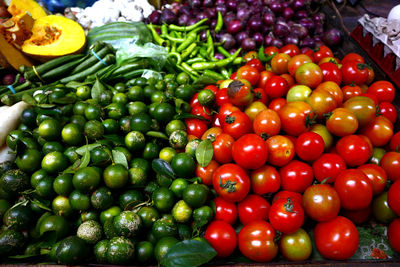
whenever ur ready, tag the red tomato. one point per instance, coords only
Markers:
(265, 180)
(379, 131)
(371, 75)
(383, 90)
(279, 63)
(394, 144)
(196, 127)
(376, 175)
(354, 189)
(212, 88)
(225, 210)
(296, 176)
(329, 165)
(358, 216)
(393, 197)
(206, 173)
(267, 123)
(264, 77)
(321, 52)
(231, 182)
(393, 234)
(295, 117)
(250, 151)
(354, 149)
(290, 49)
(372, 96)
(194, 101)
(354, 72)
(204, 112)
(321, 202)
(221, 97)
(222, 237)
(280, 150)
(223, 148)
(211, 133)
(286, 216)
(388, 110)
(239, 93)
(285, 194)
(237, 124)
(336, 239)
(260, 95)
(289, 79)
(256, 241)
(253, 208)
(225, 110)
(270, 50)
(277, 103)
(322, 102)
(296, 61)
(255, 63)
(352, 57)
(350, 91)
(363, 107)
(276, 87)
(331, 72)
(248, 73)
(296, 246)
(309, 74)
(332, 88)
(390, 162)
(342, 122)
(309, 146)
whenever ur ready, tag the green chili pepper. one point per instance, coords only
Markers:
(220, 23)
(174, 39)
(177, 56)
(194, 52)
(225, 73)
(262, 57)
(191, 37)
(223, 51)
(156, 37)
(193, 74)
(164, 30)
(204, 65)
(188, 50)
(188, 68)
(226, 61)
(187, 28)
(210, 44)
(194, 60)
(214, 75)
(237, 61)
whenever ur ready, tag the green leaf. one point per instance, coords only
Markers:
(117, 140)
(203, 80)
(74, 167)
(97, 88)
(119, 158)
(204, 152)
(17, 257)
(188, 253)
(85, 160)
(29, 99)
(81, 150)
(41, 204)
(156, 134)
(162, 167)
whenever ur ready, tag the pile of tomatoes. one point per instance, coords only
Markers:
(303, 142)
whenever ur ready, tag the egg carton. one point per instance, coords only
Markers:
(381, 54)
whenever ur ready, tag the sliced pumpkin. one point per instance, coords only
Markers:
(17, 7)
(17, 29)
(54, 36)
(12, 55)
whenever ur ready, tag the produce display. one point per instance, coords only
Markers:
(158, 145)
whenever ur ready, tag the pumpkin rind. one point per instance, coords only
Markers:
(17, 7)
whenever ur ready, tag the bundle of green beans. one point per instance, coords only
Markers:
(190, 54)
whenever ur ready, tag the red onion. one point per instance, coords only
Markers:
(255, 24)
(276, 7)
(269, 18)
(227, 40)
(281, 30)
(249, 44)
(222, 9)
(307, 42)
(154, 17)
(268, 40)
(8, 79)
(234, 26)
(232, 4)
(288, 13)
(220, 2)
(298, 4)
(291, 39)
(258, 38)
(332, 37)
(241, 36)
(277, 42)
(208, 3)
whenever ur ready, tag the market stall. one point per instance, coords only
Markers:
(198, 132)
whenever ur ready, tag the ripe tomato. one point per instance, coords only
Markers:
(363, 107)
(354, 149)
(270, 50)
(309, 146)
(309, 74)
(194, 100)
(279, 63)
(212, 88)
(371, 75)
(285, 194)
(255, 63)
(296, 61)
(352, 57)
(321, 52)
(286, 216)
(329, 165)
(321, 202)
(295, 117)
(196, 127)
(256, 241)
(390, 162)
(206, 173)
(393, 234)
(265, 180)
(342, 122)
(222, 237)
(204, 112)
(379, 131)
(225, 210)
(276, 87)
(394, 144)
(222, 147)
(336, 239)
(221, 97)
(231, 182)
(280, 150)
(250, 151)
(296, 246)
(350, 91)
(388, 110)
(331, 72)
(277, 103)
(383, 90)
(225, 110)
(239, 92)
(354, 72)
(324, 133)
(296, 176)
(253, 208)
(377, 175)
(267, 123)
(265, 75)
(290, 49)
(237, 124)
(248, 73)
(260, 95)
(333, 89)
(289, 79)
(354, 189)
(211, 133)
(322, 102)
(358, 216)
(393, 197)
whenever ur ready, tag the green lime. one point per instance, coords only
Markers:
(130, 199)
(86, 179)
(127, 223)
(195, 195)
(72, 134)
(50, 129)
(100, 251)
(178, 139)
(54, 223)
(54, 162)
(52, 146)
(105, 98)
(164, 112)
(79, 108)
(100, 156)
(102, 198)
(183, 165)
(14, 181)
(177, 186)
(90, 231)
(148, 216)
(151, 187)
(120, 98)
(13, 137)
(183, 78)
(71, 154)
(163, 227)
(109, 230)
(10, 242)
(28, 117)
(181, 212)
(120, 87)
(79, 201)
(115, 176)
(135, 141)
(137, 107)
(29, 160)
(94, 130)
(141, 122)
(109, 213)
(144, 252)
(163, 181)
(206, 98)
(148, 90)
(18, 217)
(185, 92)
(157, 97)
(120, 251)
(116, 111)
(78, 120)
(151, 151)
(203, 215)
(125, 151)
(37, 176)
(92, 112)
(4, 206)
(44, 187)
(135, 93)
(137, 176)
(163, 199)
(160, 85)
(140, 163)
(167, 153)
(111, 126)
(174, 125)
(83, 92)
(89, 215)
(125, 124)
(62, 206)
(162, 247)
(62, 184)
(72, 251)
(184, 231)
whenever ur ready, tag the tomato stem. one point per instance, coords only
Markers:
(229, 119)
(229, 185)
(288, 205)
